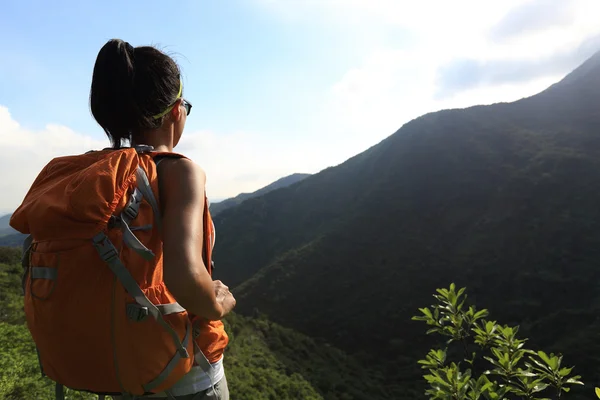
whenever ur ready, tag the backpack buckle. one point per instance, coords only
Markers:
(105, 248)
(136, 312)
(132, 208)
(143, 148)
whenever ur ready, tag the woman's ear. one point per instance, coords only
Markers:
(176, 113)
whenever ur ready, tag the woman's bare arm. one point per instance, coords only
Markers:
(182, 199)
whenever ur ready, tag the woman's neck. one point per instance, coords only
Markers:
(160, 139)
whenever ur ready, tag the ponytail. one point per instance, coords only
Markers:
(129, 86)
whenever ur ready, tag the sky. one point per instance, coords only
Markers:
(278, 86)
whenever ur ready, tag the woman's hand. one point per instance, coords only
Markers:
(224, 297)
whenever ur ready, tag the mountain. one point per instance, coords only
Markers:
(12, 240)
(503, 199)
(5, 228)
(219, 207)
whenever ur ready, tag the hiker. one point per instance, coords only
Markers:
(119, 297)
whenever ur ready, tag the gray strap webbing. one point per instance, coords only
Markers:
(26, 249)
(37, 352)
(199, 356)
(141, 228)
(172, 308)
(27, 243)
(43, 273)
(201, 359)
(171, 365)
(144, 187)
(159, 161)
(133, 242)
(109, 254)
(170, 395)
(59, 391)
(129, 213)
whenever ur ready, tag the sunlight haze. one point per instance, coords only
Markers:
(278, 86)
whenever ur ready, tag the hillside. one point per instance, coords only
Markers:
(216, 208)
(5, 228)
(502, 199)
(263, 360)
(12, 240)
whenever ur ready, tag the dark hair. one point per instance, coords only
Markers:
(130, 86)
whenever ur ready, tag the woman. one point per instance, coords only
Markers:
(136, 97)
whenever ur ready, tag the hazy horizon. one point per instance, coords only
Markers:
(278, 86)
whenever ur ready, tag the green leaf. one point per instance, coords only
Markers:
(540, 366)
(539, 387)
(565, 371)
(549, 361)
(527, 374)
(575, 381)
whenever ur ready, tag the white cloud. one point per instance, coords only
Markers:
(403, 47)
(237, 162)
(244, 161)
(416, 15)
(400, 77)
(25, 152)
(372, 101)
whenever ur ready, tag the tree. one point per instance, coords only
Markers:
(513, 371)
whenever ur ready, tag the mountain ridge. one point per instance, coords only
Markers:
(5, 228)
(484, 196)
(218, 207)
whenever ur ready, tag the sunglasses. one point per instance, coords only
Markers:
(187, 105)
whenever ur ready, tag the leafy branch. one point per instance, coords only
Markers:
(513, 369)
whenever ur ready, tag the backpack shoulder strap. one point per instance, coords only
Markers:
(158, 157)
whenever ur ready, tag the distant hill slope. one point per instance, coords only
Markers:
(217, 208)
(503, 199)
(5, 228)
(12, 240)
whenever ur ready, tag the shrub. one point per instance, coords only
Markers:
(503, 368)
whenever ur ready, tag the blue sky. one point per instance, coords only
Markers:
(278, 86)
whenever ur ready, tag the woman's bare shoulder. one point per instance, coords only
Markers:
(181, 180)
(180, 170)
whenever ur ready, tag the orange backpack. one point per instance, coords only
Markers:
(96, 305)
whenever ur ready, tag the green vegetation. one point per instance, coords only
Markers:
(19, 370)
(20, 376)
(267, 361)
(263, 361)
(523, 373)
